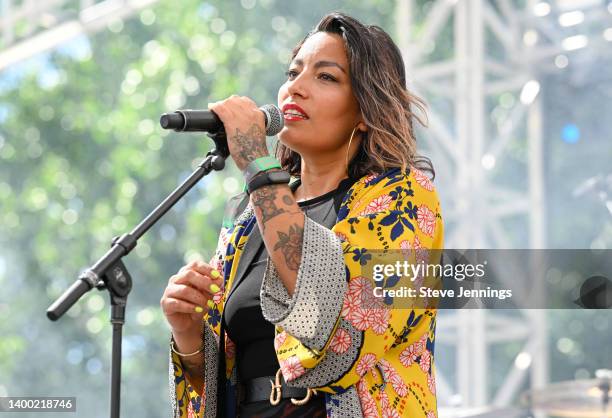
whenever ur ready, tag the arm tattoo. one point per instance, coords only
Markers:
(287, 200)
(264, 199)
(250, 144)
(290, 245)
(194, 366)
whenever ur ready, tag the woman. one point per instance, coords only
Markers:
(286, 331)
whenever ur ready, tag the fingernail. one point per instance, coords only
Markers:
(211, 304)
(214, 288)
(199, 309)
(215, 274)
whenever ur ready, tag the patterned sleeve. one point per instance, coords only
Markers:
(186, 400)
(326, 336)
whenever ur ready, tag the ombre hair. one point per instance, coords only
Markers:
(378, 80)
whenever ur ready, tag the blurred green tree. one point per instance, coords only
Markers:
(83, 159)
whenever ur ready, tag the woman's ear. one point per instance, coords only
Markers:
(362, 127)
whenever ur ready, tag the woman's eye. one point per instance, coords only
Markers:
(328, 77)
(291, 73)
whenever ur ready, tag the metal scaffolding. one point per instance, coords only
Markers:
(493, 47)
(30, 27)
(465, 150)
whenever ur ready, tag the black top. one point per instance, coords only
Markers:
(243, 319)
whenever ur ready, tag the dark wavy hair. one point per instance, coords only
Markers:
(378, 80)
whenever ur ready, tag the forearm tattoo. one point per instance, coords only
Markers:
(288, 200)
(290, 245)
(265, 200)
(194, 365)
(250, 144)
(286, 234)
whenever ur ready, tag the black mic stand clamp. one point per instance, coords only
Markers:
(220, 139)
(111, 274)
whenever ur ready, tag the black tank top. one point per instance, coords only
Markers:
(243, 319)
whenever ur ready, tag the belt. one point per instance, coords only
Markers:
(260, 388)
(272, 389)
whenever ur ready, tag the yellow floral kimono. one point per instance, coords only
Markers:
(369, 359)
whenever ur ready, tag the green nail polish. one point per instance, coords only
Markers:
(215, 274)
(199, 309)
(214, 288)
(211, 304)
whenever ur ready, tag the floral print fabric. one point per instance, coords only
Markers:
(389, 353)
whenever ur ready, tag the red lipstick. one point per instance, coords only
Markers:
(293, 112)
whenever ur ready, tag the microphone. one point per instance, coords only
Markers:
(187, 120)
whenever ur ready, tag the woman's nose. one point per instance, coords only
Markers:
(297, 86)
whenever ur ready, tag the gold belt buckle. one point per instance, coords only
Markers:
(276, 393)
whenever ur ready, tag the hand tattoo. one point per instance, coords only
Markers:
(290, 246)
(251, 145)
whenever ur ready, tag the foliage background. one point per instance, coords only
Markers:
(82, 159)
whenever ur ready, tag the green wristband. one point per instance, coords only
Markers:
(258, 165)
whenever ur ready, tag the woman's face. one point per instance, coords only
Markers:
(319, 83)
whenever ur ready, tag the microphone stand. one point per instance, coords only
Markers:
(110, 273)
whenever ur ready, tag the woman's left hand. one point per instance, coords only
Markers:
(244, 127)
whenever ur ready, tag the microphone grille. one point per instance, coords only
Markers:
(274, 119)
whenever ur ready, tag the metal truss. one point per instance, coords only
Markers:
(29, 27)
(460, 56)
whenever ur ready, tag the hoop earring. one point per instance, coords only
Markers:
(348, 149)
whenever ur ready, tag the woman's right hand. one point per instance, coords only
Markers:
(187, 295)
